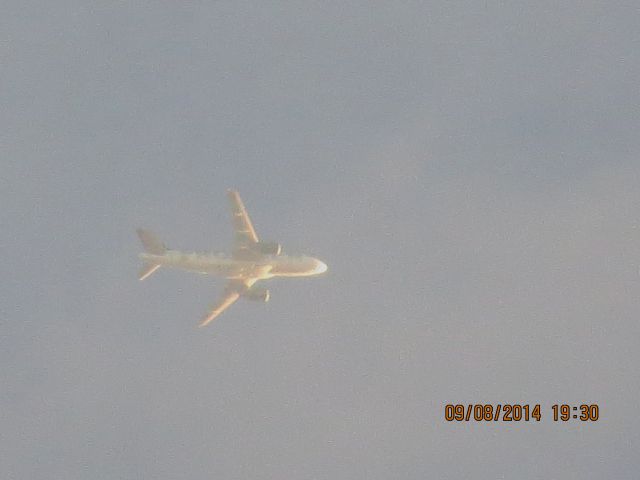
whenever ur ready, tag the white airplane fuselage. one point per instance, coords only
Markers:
(222, 265)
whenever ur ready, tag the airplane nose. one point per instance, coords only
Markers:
(321, 267)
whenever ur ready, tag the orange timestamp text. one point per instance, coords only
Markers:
(515, 412)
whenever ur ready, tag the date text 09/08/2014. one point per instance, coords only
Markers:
(515, 412)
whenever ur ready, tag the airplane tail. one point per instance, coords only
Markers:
(151, 245)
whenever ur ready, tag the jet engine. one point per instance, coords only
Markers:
(258, 295)
(269, 248)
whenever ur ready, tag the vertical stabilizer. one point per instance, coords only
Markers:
(150, 243)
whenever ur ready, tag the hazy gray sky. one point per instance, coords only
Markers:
(468, 170)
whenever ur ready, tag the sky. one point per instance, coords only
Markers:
(468, 170)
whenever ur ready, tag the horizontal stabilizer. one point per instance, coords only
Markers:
(146, 270)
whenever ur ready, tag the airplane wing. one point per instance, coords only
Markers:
(232, 292)
(227, 300)
(244, 233)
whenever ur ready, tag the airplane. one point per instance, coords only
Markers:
(251, 260)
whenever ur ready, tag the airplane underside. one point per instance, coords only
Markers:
(251, 260)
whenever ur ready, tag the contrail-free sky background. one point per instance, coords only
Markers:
(468, 170)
